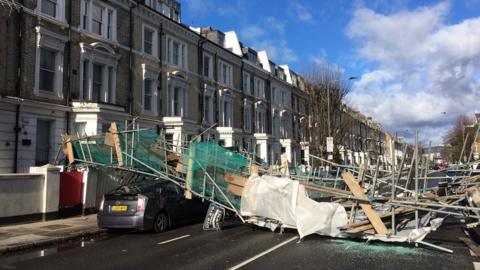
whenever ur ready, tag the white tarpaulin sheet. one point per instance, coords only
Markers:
(282, 199)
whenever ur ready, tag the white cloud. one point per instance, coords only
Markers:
(301, 13)
(252, 32)
(423, 67)
(269, 35)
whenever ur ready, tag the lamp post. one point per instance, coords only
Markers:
(328, 105)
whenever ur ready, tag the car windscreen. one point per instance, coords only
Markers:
(137, 187)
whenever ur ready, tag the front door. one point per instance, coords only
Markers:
(43, 143)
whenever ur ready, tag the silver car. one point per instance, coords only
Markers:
(148, 205)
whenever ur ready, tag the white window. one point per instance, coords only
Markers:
(177, 99)
(158, 6)
(52, 8)
(150, 41)
(207, 66)
(166, 11)
(99, 19)
(98, 73)
(148, 95)
(247, 117)
(98, 82)
(274, 94)
(47, 70)
(259, 88)
(225, 75)
(149, 89)
(150, 3)
(227, 115)
(260, 119)
(49, 63)
(246, 83)
(208, 105)
(226, 108)
(176, 53)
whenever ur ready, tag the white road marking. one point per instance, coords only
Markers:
(174, 239)
(476, 265)
(263, 253)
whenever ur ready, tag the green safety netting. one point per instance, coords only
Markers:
(141, 150)
(209, 161)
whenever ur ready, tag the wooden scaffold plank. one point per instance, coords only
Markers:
(371, 214)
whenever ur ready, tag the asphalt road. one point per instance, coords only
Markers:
(242, 247)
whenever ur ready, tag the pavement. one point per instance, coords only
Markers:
(37, 234)
(242, 246)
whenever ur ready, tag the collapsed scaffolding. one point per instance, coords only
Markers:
(399, 205)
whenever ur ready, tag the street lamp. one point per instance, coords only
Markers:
(328, 100)
(328, 110)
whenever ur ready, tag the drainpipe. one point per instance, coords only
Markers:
(160, 78)
(201, 82)
(242, 102)
(69, 67)
(130, 75)
(17, 128)
(215, 77)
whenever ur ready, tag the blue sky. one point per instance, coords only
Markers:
(414, 59)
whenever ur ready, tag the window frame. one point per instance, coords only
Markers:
(226, 108)
(175, 82)
(210, 65)
(209, 93)
(154, 40)
(183, 56)
(248, 89)
(104, 56)
(54, 54)
(150, 74)
(228, 75)
(52, 42)
(259, 87)
(247, 110)
(109, 23)
(59, 10)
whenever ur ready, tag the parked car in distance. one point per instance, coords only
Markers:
(151, 204)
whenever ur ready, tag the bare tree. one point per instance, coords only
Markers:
(329, 115)
(462, 133)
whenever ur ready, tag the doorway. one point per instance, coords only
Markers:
(43, 142)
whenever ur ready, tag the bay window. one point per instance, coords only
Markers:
(226, 108)
(260, 118)
(208, 105)
(247, 117)
(98, 73)
(149, 89)
(177, 99)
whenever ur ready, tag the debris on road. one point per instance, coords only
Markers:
(403, 203)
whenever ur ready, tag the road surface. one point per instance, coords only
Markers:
(241, 247)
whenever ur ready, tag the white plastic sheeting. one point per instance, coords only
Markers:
(286, 201)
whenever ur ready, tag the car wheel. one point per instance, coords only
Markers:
(161, 223)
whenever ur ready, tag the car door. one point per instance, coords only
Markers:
(174, 202)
